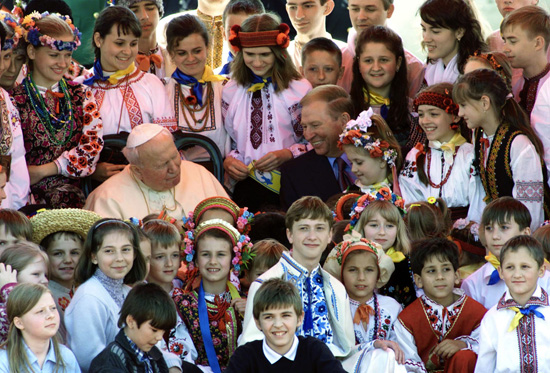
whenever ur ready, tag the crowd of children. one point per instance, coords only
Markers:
(423, 263)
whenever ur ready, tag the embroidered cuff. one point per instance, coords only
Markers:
(470, 342)
(235, 154)
(299, 149)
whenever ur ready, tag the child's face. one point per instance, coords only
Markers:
(496, 234)
(214, 260)
(35, 272)
(9, 76)
(64, 253)
(49, 63)
(378, 65)
(165, 262)
(255, 273)
(260, 60)
(473, 113)
(309, 238)
(7, 238)
(440, 42)
(41, 322)
(438, 279)
(436, 123)
(519, 47)
(279, 327)
(230, 21)
(148, 15)
(308, 16)
(366, 13)
(189, 55)
(145, 246)
(320, 68)
(321, 130)
(381, 231)
(118, 52)
(115, 257)
(360, 275)
(520, 272)
(367, 169)
(507, 6)
(145, 336)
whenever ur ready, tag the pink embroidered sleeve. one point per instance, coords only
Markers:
(81, 160)
(4, 324)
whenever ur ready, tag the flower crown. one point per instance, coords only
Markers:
(9, 20)
(35, 38)
(384, 194)
(243, 218)
(442, 101)
(354, 241)
(240, 40)
(357, 134)
(242, 247)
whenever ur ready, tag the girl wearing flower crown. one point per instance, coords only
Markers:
(194, 92)
(363, 267)
(380, 79)
(17, 188)
(126, 96)
(374, 153)
(206, 304)
(508, 154)
(62, 127)
(379, 219)
(261, 109)
(442, 166)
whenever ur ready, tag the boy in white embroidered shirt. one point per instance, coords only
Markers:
(509, 340)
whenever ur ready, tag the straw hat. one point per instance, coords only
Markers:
(62, 220)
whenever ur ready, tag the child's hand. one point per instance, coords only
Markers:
(384, 345)
(7, 275)
(448, 347)
(235, 168)
(273, 160)
(105, 170)
(239, 304)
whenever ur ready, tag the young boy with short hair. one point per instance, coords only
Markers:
(502, 219)
(439, 331)
(321, 62)
(278, 313)
(324, 299)
(146, 314)
(514, 333)
(14, 227)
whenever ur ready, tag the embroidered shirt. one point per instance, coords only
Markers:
(214, 25)
(115, 287)
(528, 94)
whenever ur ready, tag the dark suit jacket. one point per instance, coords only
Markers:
(308, 175)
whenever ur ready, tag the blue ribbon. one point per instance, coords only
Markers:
(226, 68)
(204, 324)
(308, 318)
(494, 278)
(182, 78)
(98, 74)
(258, 79)
(531, 310)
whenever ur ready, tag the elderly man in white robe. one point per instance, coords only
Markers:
(155, 181)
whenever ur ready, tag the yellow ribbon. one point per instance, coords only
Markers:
(209, 76)
(396, 256)
(375, 99)
(233, 291)
(448, 148)
(491, 258)
(515, 321)
(258, 86)
(113, 79)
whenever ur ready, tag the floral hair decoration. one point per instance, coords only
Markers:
(242, 247)
(12, 23)
(338, 212)
(242, 217)
(35, 38)
(444, 102)
(240, 40)
(357, 134)
(384, 194)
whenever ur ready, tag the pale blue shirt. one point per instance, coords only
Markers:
(71, 365)
(335, 170)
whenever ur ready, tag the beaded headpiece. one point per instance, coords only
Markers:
(279, 37)
(334, 263)
(242, 246)
(384, 194)
(444, 102)
(35, 38)
(14, 27)
(357, 134)
(129, 3)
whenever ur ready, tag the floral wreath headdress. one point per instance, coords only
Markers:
(442, 101)
(34, 37)
(242, 247)
(239, 39)
(357, 134)
(384, 194)
(13, 24)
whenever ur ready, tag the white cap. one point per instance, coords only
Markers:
(142, 133)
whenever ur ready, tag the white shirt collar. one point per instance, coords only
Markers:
(273, 356)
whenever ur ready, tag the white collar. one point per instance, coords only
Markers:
(536, 294)
(273, 356)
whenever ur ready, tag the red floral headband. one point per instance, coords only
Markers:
(239, 39)
(438, 100)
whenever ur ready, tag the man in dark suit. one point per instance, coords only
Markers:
(325, 170)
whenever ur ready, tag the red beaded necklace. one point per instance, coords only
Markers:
(429, 156)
